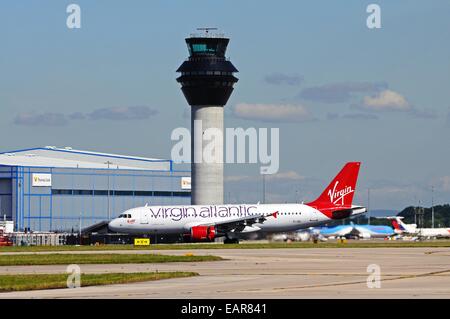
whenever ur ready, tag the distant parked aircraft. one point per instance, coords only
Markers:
(355, 230)
(340, 231)
(412, 230)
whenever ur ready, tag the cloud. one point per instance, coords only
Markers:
(40, 119)
(386, 100)
(283, 187)
(77, 116)
(282, 176)
(283, 79)
(272, 112)
(122, 113)
(428, 114)
(391, 190)
(332, 116)
(393, 194)
(443, 183)
(360, 116)
(351, 116)
(340, 92)
(391, 101)
(236, 178)
(59, 119)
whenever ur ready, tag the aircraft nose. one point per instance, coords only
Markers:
(113, 225)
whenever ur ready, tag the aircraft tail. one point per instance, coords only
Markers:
(398, 224)
(341, 190)
(336, 200)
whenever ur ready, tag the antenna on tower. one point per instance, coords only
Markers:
(206, 29)
(207, 33)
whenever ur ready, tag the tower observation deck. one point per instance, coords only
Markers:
(207, 82)
(207, 76)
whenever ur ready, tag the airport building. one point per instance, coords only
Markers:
(61, 189)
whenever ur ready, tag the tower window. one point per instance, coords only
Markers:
(203, 48)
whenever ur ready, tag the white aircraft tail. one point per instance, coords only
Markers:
(400, 226)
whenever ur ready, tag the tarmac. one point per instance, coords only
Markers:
(272, 273)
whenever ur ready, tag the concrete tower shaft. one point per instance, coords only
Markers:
(207, 178)
(207, 83)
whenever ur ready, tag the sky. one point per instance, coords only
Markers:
(337, 90)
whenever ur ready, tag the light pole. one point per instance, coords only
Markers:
(432, 206)
(415, 210)
(264, 188)
(80, 228)
(368, 205)
(108, 206)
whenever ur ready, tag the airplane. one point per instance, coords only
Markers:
(373, 231)
(411, 229)
(207, 222)
(299, 235)
(341, 231)
(313, 233)
(335, 231)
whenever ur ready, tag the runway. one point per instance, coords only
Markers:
(272, 273)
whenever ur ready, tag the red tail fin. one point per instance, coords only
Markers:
(395, 224)
(341, 190)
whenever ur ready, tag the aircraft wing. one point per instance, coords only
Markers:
(239, 224)
(340, 212)
(356, 231)
(356, 210)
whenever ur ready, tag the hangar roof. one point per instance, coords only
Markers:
(67, 157)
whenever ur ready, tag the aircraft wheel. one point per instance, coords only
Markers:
(231, 241)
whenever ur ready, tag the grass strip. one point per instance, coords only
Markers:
(53, 281)
(65, 259)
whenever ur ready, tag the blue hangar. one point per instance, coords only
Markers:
(62, 189)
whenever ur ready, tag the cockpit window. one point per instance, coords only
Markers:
(124, 216)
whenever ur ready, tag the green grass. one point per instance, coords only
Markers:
(330, 244)
(53, 281)
(65, 259)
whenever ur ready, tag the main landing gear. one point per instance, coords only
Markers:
(231, 240)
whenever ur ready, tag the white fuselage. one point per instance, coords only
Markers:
(180, 219)
(431, 232)
(411, 229)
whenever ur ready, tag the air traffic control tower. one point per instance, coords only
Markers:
(207, 83)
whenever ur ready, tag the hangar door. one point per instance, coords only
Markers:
(6, 198)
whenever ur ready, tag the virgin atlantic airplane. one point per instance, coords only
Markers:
(206, 222)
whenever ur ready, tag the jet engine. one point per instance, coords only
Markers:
(364, 235)
(203, 232)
